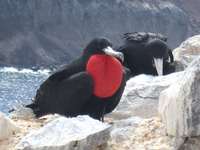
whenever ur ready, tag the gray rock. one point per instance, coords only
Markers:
(7, 127)
(176, 142)
(122, 129)
(181, 143)
(191, 144)
(81, 133)
(142, 99)
(179, 105)
(186, 52)
(182, 63)
(21, 112)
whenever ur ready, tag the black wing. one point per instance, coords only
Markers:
(143, 36)
(70, 68)
(66, 96)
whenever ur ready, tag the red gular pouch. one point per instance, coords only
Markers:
(106, 72)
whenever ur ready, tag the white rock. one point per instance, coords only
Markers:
(190, 46)
(179, 105)
(80, 133)
(138, 80)
(160, 148)
(7, 127)
(187, 51)
(21, 112)
(142, 99)
(122, 129)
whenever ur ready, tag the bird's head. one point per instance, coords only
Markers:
(159, 52)
(102, 46)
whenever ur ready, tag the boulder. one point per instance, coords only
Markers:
(78, 133)
(179, 105)
(186, 52)
(7, 127)
(141, 96)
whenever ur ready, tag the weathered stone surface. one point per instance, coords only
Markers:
(187, 52)
(7, 127)
(179, 105)
(122, 129)
(142, 99)
(21, 112)
(81, 133)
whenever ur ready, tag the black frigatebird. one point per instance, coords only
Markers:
(147, 53)
(92, 84)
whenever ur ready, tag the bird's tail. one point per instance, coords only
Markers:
(11, 110)
(37, 110)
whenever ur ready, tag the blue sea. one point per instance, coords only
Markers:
(19, 85)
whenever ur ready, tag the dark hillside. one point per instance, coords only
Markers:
(50, 33)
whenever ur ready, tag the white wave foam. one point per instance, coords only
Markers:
(8, 69)
(44, 71)
(24, 70)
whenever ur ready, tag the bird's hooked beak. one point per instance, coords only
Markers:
(109, 51)
(159, 65)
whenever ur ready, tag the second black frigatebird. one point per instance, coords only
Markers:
(147, 53)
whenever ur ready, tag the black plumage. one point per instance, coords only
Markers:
(69, 90)
(147, 53)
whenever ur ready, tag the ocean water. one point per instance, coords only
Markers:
(19, 85)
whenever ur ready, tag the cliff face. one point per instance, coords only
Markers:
(35, 33)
